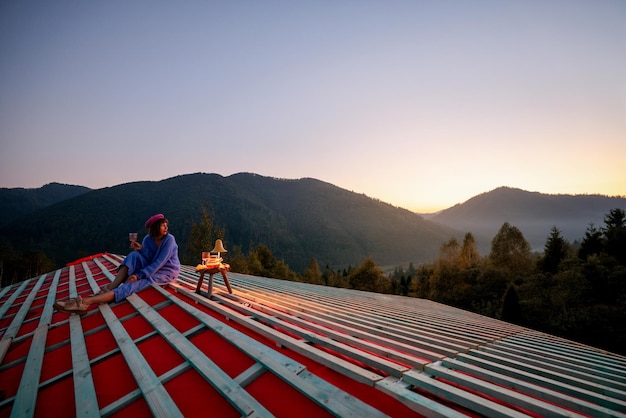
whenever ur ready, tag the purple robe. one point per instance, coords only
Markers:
(152, 265)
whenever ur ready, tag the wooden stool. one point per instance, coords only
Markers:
(221, 268)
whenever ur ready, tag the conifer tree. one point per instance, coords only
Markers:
(554, 252)
(615, 234)
(202, 237)
(591, 243)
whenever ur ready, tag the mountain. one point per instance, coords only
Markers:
(17, 202)
(297, 219)
(533, 213)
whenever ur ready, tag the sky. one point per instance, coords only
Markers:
(422, 104)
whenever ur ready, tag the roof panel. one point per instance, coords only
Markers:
(278, 348)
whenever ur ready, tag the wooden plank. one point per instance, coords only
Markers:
(136, 301)
(333, 344)
(5, 343)
(353, 327)
(16, 323)
(150, 385)
(362, 340)
(387, 347)
(560, 376)
(430, 346)
(95, 288)
(18, 319)
(323, 393)
(113, 258)
(329, 397)
(9, 302)
(229, 389)
(350, 322)
(540, 392)
(305, 304)
(341, 366)
(132, 396)
(518, 344)
(26, 396)
(460, 397)
(416, 402)
(600, 358)
(575, 363)
(72, 282)
(568, 347)
(46, 313)
(84, 389)
(240, 287)
(555, 366)
(347, 299)
(556, 385)
(498, 392)
(4, 291)
(250, 374)
(159, 401)
(105, 271)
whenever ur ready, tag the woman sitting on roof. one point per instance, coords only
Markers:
(154, 261)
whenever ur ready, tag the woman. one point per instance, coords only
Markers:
(154, 261)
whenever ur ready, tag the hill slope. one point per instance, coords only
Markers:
(533, 213)
(297, 219)
(17, 202)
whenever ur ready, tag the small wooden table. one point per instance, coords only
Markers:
(221, 268)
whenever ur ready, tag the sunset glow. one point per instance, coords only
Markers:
(420, 104)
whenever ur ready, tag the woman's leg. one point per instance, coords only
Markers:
(131, 265)
(122, 275)
(105, 297)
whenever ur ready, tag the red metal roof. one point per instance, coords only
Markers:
(279, 348)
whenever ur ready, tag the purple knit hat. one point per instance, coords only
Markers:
(153, 219)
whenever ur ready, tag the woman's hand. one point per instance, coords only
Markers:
(135, 245)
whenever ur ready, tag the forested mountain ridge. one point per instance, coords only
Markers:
(297, 219)
(532, 212)
(17, 202)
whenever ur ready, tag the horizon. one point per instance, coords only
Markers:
(373, 197)
(419, 104)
